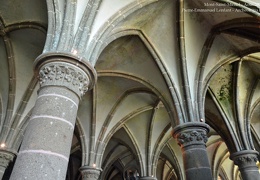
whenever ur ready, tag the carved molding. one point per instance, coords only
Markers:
(89, 173)
(64, 74)
(5, 158)
(65, 69)
(245, 158)
(191, 133)
(192, 137)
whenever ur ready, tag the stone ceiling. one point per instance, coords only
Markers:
(133, 45)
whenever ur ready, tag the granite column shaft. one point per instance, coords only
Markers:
(192, 138)
(246, 162)
(45, 150)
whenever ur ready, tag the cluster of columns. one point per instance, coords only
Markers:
(45, 150)
(192, 138)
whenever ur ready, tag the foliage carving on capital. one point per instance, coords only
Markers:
(5, 158)
(191, 137)
(90, 174)
(64, 74)
(245, 160)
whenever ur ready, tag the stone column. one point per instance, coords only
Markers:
(89, 173)
(45, 150)
(192, 138)
(246, 162)
(148, 178)
(5, 158)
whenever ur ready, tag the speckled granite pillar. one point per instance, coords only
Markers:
(246, 162)
(5, 158)
(89, 173)
(45, 150)
(192, 138)
(148, 178)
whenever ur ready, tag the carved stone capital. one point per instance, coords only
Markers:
(64, 74)
(5, 158)
(89, 173)
(245, 158)
(65, 70)
(191, 133)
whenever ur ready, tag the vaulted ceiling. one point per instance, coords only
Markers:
(142, 52)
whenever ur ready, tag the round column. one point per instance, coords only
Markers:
(246, 162)
(45, 150)
(89, 173)
(192, 138)
(5, 158)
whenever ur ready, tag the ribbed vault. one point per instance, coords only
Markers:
(158, 65)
